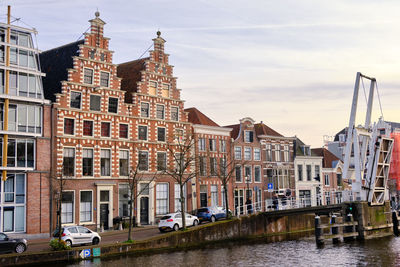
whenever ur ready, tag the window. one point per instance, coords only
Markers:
(202, 144)
(160, 134)
(286, 153)
(214, 195)
(327, 198)
(300, 172)
(277, 153)
(257, 174)
(69, 162)
(257, 154)
(144, 110)
(222, 145)
(142, 132)
(179, 162)
(238, 173)
(113, 105)
(317, 177)
(105, 160)
(88, 128)
(143, 160)
(222, 166)
(69, 126)
(213, 167)
(165, 89)
(91, 54)
(95, 101)
(160, 112)
(247, 173)
(175, 113)
(88, 76)
(29, 118)
(212, 145)
(105, 129)
(248, 136)
(327, 182)
(75, 100)
(238, 152)
(178, 197)
(152, 88)
(87, 166)
(123, 162)
(20, 153)
(247, 153)
(308, 167)
(104, 79)
(203, 166)
(123, 196)
(67, 207)
(162, 198)
(268, 153)
(86, 206)
(161, 161)
(123, 131)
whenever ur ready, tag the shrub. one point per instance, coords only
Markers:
(56, 244)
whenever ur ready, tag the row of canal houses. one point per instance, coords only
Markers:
(71, 113)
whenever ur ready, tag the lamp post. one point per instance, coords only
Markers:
(248, 190)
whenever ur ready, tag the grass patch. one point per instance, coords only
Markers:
(130, 241)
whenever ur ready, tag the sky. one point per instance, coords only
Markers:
(290, 63)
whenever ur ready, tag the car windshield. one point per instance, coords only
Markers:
(203, 210)
(165, 217)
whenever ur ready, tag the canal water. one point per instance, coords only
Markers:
(377, 252)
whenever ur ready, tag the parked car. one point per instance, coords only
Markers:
(211, 214)
(10, 245)
(78, 235)
(173, 221)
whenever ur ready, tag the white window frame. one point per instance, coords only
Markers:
(239, 148)
(83, 80)
(83, 124)
(249, 153)
(148, 160)
(167, 199)
(88, 148)
(202, 144)
(93, 110)
(147, 132)
(257, 167)
(74, 148)
(80, 102)
(327, 180)
(108, 107)
(74, 130)
(165, 134)
(286, 153)
(73, 208)
(247, 134)
(251, 173)
(109, 78)
(222, 144)
(119, 130)
(241, 174)
(163, 118)
(119, 160)
(109, 132)
(141, 112)
(110, 158)
(277, 152)
(177, 113)
(259, 154)
(91, 210)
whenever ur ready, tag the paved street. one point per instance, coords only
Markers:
(141, 233)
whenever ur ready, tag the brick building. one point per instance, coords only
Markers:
(107, 120)
(25, 136)
(262, 156)
(214, 160)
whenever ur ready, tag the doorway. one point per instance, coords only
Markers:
(144, 210)
(104, 215)
(203, 196)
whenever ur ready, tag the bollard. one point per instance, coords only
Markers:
(318, 232)
(334, 229)
(395, 221)
(349, 228)
(120, 226)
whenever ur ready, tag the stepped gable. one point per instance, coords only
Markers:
(262, 129)
(197, 117)
(55, 63)
(329, 158)
(131, 74)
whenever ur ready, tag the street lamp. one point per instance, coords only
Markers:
(247, 178)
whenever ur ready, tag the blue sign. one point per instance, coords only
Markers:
(270, 186)
(85, 253)
(96, 252)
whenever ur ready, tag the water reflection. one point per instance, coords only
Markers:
(378, 252)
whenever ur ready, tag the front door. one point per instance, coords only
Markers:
(104, 215)
(203, 199)
(144, 210)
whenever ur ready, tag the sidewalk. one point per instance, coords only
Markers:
(103, 234)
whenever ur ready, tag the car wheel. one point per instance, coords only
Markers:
(69, 243)
(212, 218)
(95, 241)
(161, 230)
(20, 248)
(176, 227)
(195, 223)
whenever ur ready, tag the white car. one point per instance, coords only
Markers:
(78, 235)
(173, 221)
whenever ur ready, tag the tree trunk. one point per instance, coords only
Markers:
(130, 213)
(228, 216)
(59, 210)
(182, 199)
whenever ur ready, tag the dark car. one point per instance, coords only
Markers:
(10, 245)
(211, 214)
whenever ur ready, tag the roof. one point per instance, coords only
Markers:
(197, 117)
(130, 72)
(343, 131)
(262, 129)
(235, 130)
(329, 159)
(55, 63)
(393, 125)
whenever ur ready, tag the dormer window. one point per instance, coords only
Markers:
(248, 136)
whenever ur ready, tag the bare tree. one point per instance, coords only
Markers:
(136, 176)
(181, 150)
(58, 196)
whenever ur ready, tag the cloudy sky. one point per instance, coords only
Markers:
(291, 64)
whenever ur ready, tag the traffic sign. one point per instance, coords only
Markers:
(96, 252)
(270, 187)
(85, 253)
